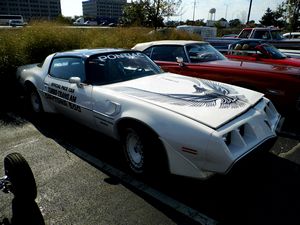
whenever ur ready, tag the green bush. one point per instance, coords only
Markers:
(33, 43)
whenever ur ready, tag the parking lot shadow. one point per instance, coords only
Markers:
(264, 189)
(26, 212)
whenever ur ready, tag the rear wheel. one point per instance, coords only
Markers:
(35, 101)
(20, 176)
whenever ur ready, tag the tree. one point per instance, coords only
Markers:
(268, 19)
(63, 20)
(199, 22)
(286, 15)
(272, 18)
(149, 13)
(289, 10)
(223, 19)
(251, 23)
(167, 8)
(235, 23)
(136, 13)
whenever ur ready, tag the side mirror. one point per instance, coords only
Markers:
(179, 60)
(75, 80)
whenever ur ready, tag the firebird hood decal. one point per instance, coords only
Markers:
(208, 102)
(202, 97)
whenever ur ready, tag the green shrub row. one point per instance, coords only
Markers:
(32, 44)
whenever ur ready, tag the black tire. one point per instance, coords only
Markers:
(34, 100)
(143, 151)
(21, 177)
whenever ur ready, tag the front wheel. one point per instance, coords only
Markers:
(143, 151)
(20, 176)
(134, 149)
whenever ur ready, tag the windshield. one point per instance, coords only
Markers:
(119, 66)
(203, 53)
(273, 52)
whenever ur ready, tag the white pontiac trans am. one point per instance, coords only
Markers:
(184, 125)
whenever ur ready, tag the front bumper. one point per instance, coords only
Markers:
(250, 159)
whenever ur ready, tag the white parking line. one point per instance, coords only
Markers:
(289, 134)
(24, 143)
(166, 200)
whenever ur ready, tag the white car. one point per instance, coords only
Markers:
(16, 23)
(188, 126)
(291, 35)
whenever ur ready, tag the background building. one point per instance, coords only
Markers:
(31, 9)
(110, 10)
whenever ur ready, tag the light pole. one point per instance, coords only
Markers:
(194, 11)
(249, 11)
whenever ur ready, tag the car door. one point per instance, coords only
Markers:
(165, 57)
(101, 72)
(73, 99)
(244, 57)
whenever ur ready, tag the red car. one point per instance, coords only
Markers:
(199, 59)
(258, 51)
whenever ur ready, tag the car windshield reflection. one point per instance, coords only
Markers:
(203, 53)
(274, 52)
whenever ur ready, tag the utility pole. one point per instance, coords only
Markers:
(156, 15)
(194, 10)
(249, 11)
(226, 11)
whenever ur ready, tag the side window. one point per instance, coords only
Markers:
(148, 52)
(96, 72)
(168, 53)
(105, 71)
(262, 34)
(245, 34)
(64, 68)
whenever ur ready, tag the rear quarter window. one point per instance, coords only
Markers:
(64, 68)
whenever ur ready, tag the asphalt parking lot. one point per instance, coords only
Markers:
(81, 179)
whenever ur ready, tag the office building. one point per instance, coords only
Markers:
(110, 9)
(31, 9)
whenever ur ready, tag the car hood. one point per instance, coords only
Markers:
(242, 65)
(208, 102)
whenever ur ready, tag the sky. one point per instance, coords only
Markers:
(228, 9)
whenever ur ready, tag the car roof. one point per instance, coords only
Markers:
(143, 46)
(264, 28)
(292, 32)
(85, 53)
